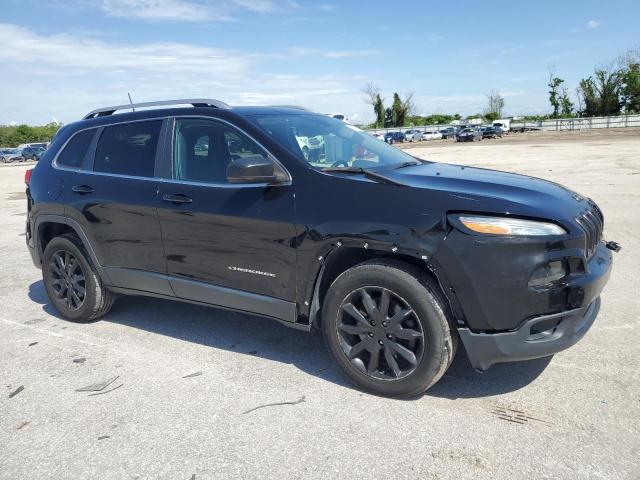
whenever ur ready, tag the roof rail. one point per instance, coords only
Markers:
(103, 112)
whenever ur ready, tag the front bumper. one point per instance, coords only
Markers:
(531, 340)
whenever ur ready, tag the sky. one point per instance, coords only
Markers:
(59, 59)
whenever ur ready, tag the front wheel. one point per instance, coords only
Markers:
(385, 325)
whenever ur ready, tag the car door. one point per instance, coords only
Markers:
(222, 239)
(114, 201)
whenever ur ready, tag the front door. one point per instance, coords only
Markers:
(221, 240)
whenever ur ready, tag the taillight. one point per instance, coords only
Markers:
(27, 176)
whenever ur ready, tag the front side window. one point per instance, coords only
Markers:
(326, 142)
(75, 150)
(128, 149)
(203, 149)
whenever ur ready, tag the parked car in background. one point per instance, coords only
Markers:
(311, 146)
(491, 132)
(504, 125)
(10, 155)
(32, 153)
(431, 136)
(379, 136)
(412, 135)
(394, 137)
(469, 135)
(449, 132)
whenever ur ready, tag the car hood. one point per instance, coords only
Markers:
(492, 191)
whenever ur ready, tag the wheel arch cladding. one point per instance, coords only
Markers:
(342, 258)
(48, 227)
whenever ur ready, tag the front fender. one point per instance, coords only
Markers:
(325, 253)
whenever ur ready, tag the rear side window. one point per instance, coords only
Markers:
(75, 150)
(128, 149)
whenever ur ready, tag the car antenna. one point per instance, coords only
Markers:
(131, 102)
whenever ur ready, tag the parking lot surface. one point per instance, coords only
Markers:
(189, 379)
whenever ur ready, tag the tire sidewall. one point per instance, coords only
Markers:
(88, 306)
(422, 301)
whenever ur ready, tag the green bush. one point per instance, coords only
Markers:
(12, 136)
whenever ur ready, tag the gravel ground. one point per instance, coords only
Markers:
(576, 416)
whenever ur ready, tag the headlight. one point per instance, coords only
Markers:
(510, 226)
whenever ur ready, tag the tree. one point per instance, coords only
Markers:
(566, 104)
(554, 93)
(378, 108)
(397, 111)
(495, 104)
(373, 98)
(630, 88)
(435, 119)
(491, 116)
(587, 92)
(601, 92)
(388, 117)
(12, 136)
(401, 110)
(629, 67)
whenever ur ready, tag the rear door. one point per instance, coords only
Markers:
(115, 199)
(217, 234)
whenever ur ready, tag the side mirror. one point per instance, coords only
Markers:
(254, 169)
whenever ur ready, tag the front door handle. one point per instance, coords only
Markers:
(177, 198)
(82, 189)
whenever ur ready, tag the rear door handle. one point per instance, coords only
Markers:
(82, 189)
(177, 198)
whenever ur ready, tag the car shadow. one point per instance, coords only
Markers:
(258, 336)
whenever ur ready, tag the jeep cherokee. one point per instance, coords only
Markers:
(395, 259)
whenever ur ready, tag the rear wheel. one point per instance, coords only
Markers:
(72, 282)
(385, 325)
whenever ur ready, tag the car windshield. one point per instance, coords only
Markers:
(325, 142)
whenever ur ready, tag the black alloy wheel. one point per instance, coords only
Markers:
(379, 333)
(68, 281)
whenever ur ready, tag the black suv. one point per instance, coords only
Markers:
(395, 259)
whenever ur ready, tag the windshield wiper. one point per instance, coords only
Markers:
(370, 174)
(407, 164)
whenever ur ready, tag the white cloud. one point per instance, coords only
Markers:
(261, 6)
(195, 10)
(78, 74)
(163, 10)
(593, 24)
(86, 55)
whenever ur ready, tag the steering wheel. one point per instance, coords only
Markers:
(340, 163)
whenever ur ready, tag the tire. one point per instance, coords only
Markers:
(352, 339)
(97, 300)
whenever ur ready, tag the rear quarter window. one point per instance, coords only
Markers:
(73, 153)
